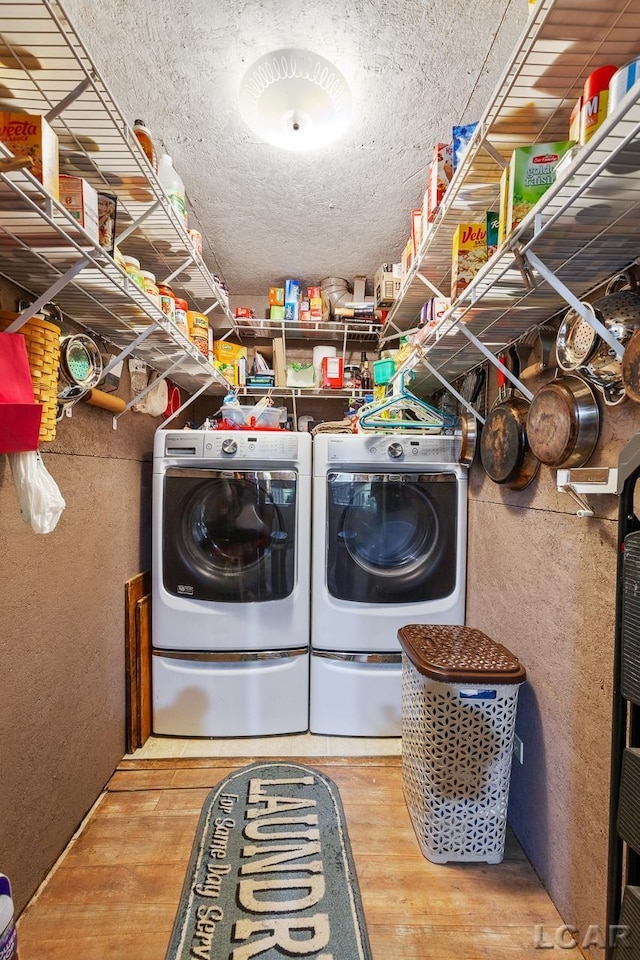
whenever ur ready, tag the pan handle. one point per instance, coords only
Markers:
(481, 376)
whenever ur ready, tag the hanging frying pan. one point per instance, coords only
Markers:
(563, 423)
(504, 449)
(467, 425)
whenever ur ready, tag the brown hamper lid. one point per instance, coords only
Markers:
(459, 654)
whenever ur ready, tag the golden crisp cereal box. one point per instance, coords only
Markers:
(533, 171)
(469, 254)
(31, 136)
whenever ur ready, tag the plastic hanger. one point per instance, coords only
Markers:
(428, 416)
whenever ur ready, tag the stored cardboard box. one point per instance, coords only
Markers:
(31, 136)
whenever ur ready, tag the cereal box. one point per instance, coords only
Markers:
(81, 200)
(504, 204)
(469, 254)
(493, 222)
(407, 257)
(532, 172)
(228, 352)
(276, 296)
(31, 136)
(439, 178)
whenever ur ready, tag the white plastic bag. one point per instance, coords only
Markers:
(41, 502)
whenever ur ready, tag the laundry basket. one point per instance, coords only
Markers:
(459, 699)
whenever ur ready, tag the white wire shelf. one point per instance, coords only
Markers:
(565, 40)
(45, 63)
(345, 330)
(41, 245)
(307, 393)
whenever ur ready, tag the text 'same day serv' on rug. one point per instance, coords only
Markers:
(271, 873)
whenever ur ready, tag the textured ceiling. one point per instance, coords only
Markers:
(414, 68)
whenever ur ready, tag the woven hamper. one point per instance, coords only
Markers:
(459, 699)
(42, 339)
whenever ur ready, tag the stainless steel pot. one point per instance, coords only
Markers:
(579, 349)
(563, 423)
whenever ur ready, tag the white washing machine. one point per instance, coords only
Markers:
(389, 549)
(230, 574)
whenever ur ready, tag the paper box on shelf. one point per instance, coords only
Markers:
(469, 254)
(386, 286)
(31, 136)
(416, 230)
(438, 179)
(19, 414)
(503, 206)
(407, 257)
(81, 200)
(291, 299)
(313, 293)
(276, 296)
(493, 227)
(228, 352)
(332, 372)
(228, 370)
(532, 171)
(315, 308)
(276, 312)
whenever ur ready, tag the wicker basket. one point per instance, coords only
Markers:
(43, 349)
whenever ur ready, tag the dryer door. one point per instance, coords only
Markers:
(391, 538)
(229, 536)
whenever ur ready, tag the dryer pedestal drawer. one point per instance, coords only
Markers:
(356, 697)
(235, 695)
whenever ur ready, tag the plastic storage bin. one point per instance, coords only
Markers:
(254, 416)
(383, 370)
(459, 699)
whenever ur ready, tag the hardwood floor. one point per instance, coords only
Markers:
(115, 893)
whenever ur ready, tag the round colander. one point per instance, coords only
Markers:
(577, 341)
(80, 367)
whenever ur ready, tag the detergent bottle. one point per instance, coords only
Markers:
(8, 935)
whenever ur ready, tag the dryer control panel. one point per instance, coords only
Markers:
(393, 449)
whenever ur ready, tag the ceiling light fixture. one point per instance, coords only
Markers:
(295, 99)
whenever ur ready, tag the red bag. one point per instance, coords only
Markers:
(19, 414)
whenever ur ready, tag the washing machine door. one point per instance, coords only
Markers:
(391, 538)
(229, 536)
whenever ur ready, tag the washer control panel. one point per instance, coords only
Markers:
(230, 445)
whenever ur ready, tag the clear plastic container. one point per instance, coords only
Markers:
(253, 416)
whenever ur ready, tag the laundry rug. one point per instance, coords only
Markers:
(271, 873)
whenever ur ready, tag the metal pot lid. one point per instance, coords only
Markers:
(576, 340)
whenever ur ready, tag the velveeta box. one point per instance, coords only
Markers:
(469, 254)
(31, 136)
(440, 173)
(532, 172)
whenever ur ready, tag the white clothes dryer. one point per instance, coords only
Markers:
(389, 549)
(230, 576)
